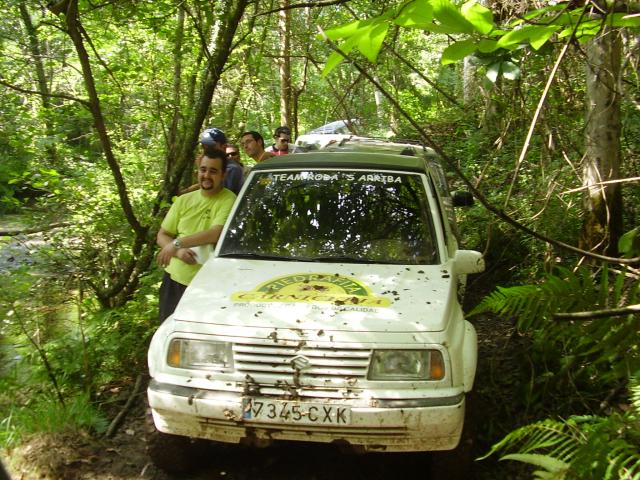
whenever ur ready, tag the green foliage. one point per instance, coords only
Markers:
(479, 32)
(588, 357)
(366, 36)
(581, 447)
(629, 243)
(534, 305)
(57, 345)
(44, 414)
(10, 172)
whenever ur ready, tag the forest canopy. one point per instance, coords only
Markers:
(533, 106)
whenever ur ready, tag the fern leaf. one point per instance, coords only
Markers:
(550, 464)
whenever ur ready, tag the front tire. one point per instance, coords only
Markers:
(174, 453)
(458, 464)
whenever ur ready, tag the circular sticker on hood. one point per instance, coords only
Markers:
(313, 288)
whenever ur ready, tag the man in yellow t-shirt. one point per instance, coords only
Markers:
(194, 219)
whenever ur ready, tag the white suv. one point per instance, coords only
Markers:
(329, 311)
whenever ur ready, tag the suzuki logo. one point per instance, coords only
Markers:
(300, 362)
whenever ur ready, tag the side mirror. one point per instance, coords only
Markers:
(468, 261)
(462, 199)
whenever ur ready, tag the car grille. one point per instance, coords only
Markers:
(284, 362)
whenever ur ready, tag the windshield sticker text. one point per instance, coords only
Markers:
(327, 177)
(378, 178)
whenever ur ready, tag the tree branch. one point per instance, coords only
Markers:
(600, 184)
(97, 54)
(612, 312)
(117, 421)
(303, 5)
(27, 231)
(53, 95)
(423, 77)
(74, 30)
(43, 356)
(541, 102)
(454, 166)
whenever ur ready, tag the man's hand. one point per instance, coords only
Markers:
(187, 256)
(169, 250)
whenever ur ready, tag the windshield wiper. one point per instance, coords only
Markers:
(258, 256)
(327, 259)
(341, 259)
(347, 259)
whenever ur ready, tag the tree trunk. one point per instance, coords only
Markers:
(284, 28)
(602, 226)
(117, 285)
(172, 133)
(470, 82)
(43, 88)
(224, 30)
(232, 129)
(75, 29)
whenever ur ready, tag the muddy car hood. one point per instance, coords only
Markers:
(369, 298)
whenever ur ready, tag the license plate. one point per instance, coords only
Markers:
(280, 411)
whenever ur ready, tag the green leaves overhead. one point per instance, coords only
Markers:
(475, 25)
(366, 36)
(451, 17)
(415, 14)
(438, 16)
(480, 17)
(457, 51)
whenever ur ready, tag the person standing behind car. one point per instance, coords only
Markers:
(253, 145)
(282, 145)
(234, 175)
(195, 219)
(215, 139)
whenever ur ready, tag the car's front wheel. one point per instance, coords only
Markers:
(175, 453)
(458, 464)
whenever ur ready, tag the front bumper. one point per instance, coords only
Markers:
(412, 425)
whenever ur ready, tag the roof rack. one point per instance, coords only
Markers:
(401, 147)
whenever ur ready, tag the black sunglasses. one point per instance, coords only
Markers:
(233, 154)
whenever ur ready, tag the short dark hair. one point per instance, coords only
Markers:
(282, 129)
(212, 152)
(255, 135)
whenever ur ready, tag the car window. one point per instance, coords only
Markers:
(344, 216)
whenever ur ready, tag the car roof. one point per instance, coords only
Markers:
(334, 127)
(344, 159)
(369, 144)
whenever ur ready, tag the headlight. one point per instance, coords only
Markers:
(198, 354)
(406, 365)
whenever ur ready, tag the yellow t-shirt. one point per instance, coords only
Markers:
(192, 213)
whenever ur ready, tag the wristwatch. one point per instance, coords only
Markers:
(177, 243)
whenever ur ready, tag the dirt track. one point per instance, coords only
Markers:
(123, 457)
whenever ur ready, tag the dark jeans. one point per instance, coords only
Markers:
(170, 294)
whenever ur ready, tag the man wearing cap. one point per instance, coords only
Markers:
(194, 220)
(215, 139)
(282, 145)
(234, 175)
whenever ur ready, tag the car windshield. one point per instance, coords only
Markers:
(333, 216)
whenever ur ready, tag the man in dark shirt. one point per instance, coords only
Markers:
(234, 176)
